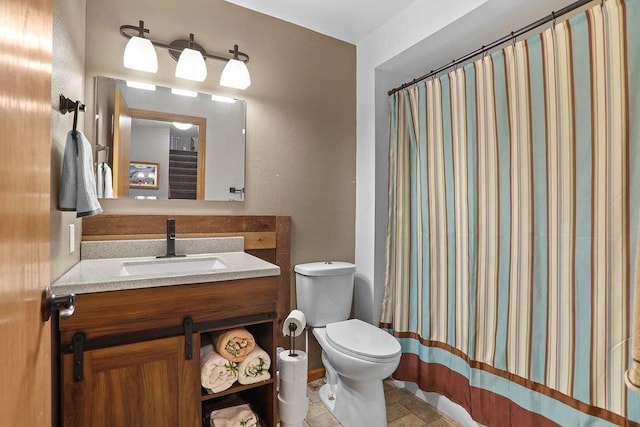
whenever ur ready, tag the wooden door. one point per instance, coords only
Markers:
(121, 146)
(25, 132)
(141, 384)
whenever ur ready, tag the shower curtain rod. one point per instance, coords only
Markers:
(511, 36)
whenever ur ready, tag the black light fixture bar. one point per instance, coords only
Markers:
(176, 46)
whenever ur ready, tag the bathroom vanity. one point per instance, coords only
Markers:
(134, 354)
(130, 353)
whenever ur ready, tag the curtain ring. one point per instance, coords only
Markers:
(553, 15)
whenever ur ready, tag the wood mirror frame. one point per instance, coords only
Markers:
(123, 115)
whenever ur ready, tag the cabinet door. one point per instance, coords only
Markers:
(142, 384)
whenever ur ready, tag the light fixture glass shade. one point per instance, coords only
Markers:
(139, 54)
(235, 75)
(191, 65)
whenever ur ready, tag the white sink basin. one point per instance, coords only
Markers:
(164, 266)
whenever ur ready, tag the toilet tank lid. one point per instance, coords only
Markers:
(326, 268)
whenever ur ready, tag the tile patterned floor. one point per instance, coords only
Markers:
(403, 410)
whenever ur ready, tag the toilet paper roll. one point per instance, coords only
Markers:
(292, 413)
(297, 318)
(293, 376)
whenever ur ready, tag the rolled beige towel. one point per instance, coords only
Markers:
(233, 344)
(216, 372)
(632, 377)
(234, 416)
(255, 367)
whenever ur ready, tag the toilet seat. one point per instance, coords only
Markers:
(362, 340)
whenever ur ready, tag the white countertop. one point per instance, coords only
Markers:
(102, 275)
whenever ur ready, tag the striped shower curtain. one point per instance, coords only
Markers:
(514, 199)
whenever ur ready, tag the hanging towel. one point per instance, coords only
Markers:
(105, 181)
(77, 182)
(632, 377)
(240, 415)
(234, 344)
(255, 367)
(216, 372)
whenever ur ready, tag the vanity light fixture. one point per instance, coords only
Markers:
(139, 53)
(191, 64)
(235, 73)
(191, 58)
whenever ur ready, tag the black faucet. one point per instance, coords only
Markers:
(171, 239)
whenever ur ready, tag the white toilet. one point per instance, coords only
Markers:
(356, 355)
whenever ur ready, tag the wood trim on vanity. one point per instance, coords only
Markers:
(252, 239)
(108, 314)
(266, 236)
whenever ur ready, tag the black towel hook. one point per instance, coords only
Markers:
(75, 119)
(67, 106)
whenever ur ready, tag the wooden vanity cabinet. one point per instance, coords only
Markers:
(125, 354)
(262, 396)
(142, 384)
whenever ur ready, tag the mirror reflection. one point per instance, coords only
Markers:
(164, 143)
(170, 144)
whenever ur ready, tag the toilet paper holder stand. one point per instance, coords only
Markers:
(292, 339)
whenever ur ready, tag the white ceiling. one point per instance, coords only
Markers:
(482, 26)
(354, 20)
(348, 20)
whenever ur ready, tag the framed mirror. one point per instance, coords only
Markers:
(193, 142)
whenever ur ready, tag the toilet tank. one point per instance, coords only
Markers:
(324, 291)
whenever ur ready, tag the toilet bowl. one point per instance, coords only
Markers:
(356, 355)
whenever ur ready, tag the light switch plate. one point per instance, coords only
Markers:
(72, 238)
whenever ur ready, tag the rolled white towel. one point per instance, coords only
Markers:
(216, 372)
(255, 367)
(234, 416)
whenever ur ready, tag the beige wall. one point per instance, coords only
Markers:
(300, 116)
(68, 79)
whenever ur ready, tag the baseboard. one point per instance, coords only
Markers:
(315, 374)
